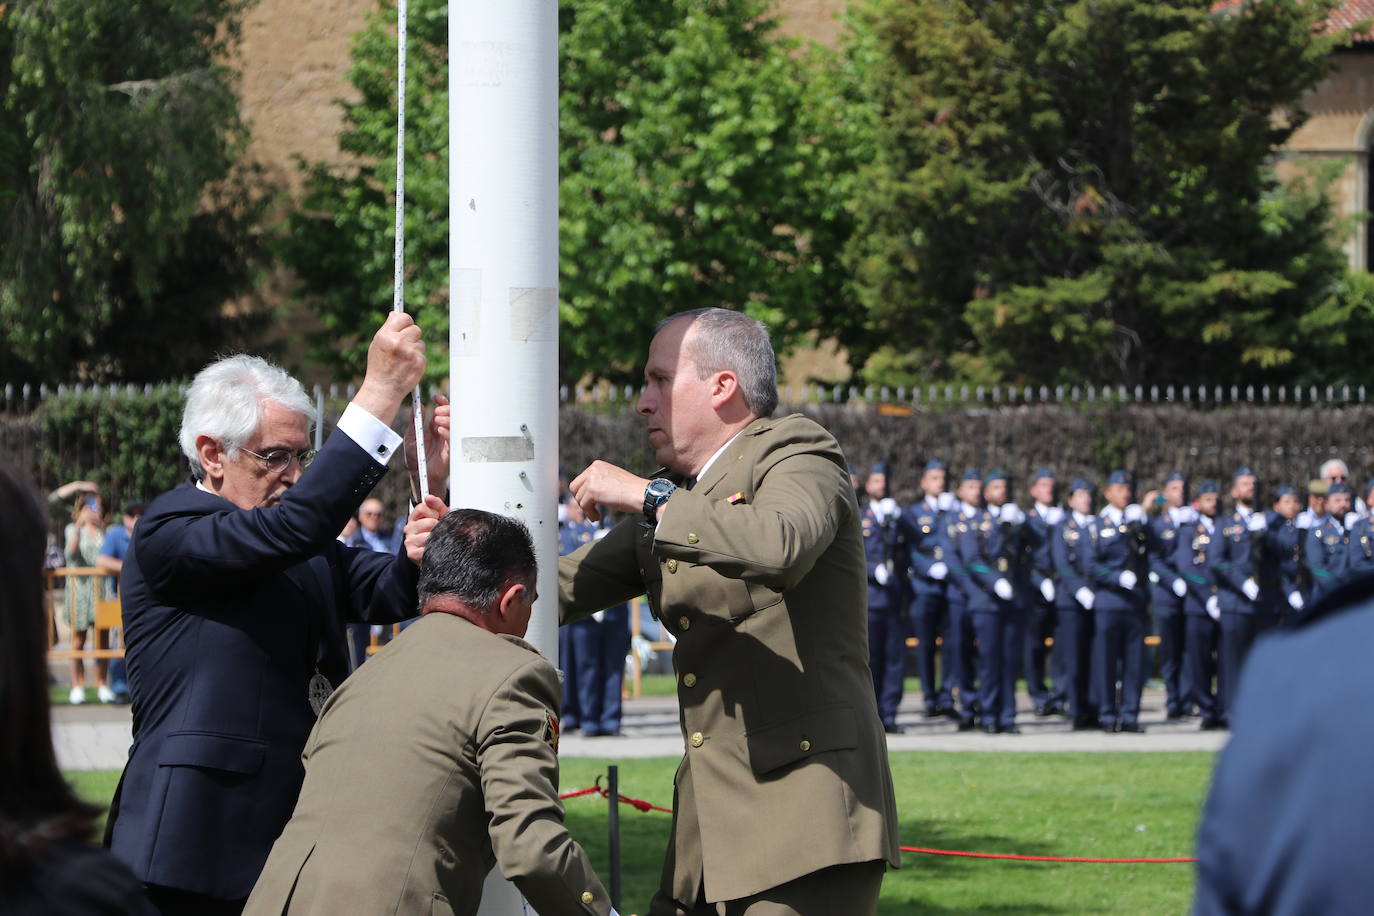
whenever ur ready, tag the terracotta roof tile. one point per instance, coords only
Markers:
(1345, 16)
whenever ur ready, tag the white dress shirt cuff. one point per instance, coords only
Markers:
(372, 435)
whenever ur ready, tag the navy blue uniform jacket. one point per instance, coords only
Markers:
(1286, 826)
(227, 614)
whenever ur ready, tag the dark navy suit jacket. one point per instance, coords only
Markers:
(227, 615)
(1286, 825)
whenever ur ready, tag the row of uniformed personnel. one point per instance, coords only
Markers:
(995, 581)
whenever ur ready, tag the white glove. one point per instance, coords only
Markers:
(1054, 516)
(880, 573)
(1213, 608)
(888, 507)
(1127, 580)
(1350, 519)
(1085, 598)
(1134, 513)
(1303, 521)
(1011, 514)
(1187, 515)
(1180, 587)
(944, 502)
(1258, 522)
(1295, 600)
(599, 616)
(1003, 589)
(938, 571)
(1047, 589)
(1250, 588)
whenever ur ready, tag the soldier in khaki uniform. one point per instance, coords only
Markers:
(750, 552)
(438, 758)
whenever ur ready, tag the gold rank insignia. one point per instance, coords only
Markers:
(1002, 564)
(736, 499)
(925, 529)
(551, 730)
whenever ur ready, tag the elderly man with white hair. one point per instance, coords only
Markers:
(235, 595)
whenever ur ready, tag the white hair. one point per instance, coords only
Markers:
(1331, 464)
(226, 403)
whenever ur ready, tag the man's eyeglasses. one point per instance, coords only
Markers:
(280, 459)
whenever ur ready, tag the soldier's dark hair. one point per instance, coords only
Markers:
(37, 807)
(472, 555)
(728, 340)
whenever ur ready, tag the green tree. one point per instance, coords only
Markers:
(125, 224)
(1080, 190)
(703, 161)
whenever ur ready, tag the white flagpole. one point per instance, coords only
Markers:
(503, 324)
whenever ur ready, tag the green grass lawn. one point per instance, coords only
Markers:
(1116, 805)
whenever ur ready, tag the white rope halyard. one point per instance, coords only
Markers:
(398, 299)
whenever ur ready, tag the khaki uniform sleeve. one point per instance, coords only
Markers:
(520, 786)
(800, 500)
(602, 573)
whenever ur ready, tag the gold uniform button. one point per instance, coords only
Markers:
(698, 739)
(587, 897)
(672, 566)
(692, 539)
(805, 745)
(689, 680)
(684, 623)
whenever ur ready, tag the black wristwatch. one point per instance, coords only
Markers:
(655, 495)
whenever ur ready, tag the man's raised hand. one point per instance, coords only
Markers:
(395, 364)
(423, 518)
(604, 484)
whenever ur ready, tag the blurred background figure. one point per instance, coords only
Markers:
(369, 532)
(591, 651)
(111, 559)
(81, 541)
(47, 864)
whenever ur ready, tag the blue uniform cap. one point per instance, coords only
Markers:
(1208, 486)
(1043, 474)
(973, 474)
(934, 464)
(1368, 486)
(879, 467)
(1337, 487)
(1119, 477)
(1176, 475)
(1081, 483)
(1284, 490)
(995, 474)
(1243, 471)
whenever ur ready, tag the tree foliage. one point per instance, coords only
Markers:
(125, 223)
(1072, 190)
(703, 161)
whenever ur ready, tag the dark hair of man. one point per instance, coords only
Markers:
(37, 807)
(726, 340)
(472, 555)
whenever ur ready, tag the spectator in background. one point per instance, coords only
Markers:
(111, 559)
(369, 533)
(47, 864)
(82, 539)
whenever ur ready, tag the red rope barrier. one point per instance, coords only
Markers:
(646, 806)
(995, 855)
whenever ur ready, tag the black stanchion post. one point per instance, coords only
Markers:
(613, 821)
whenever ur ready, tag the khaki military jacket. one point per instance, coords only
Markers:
(758, 571)
(432, 762)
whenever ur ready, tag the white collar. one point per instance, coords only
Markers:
(1043, 509)
(933, 502)
(1174, 514)
(1081, 519)
(967, 510)
(1208, 522)
(1112, 514)
(712, 460)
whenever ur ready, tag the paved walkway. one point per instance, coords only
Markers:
(94, 737)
